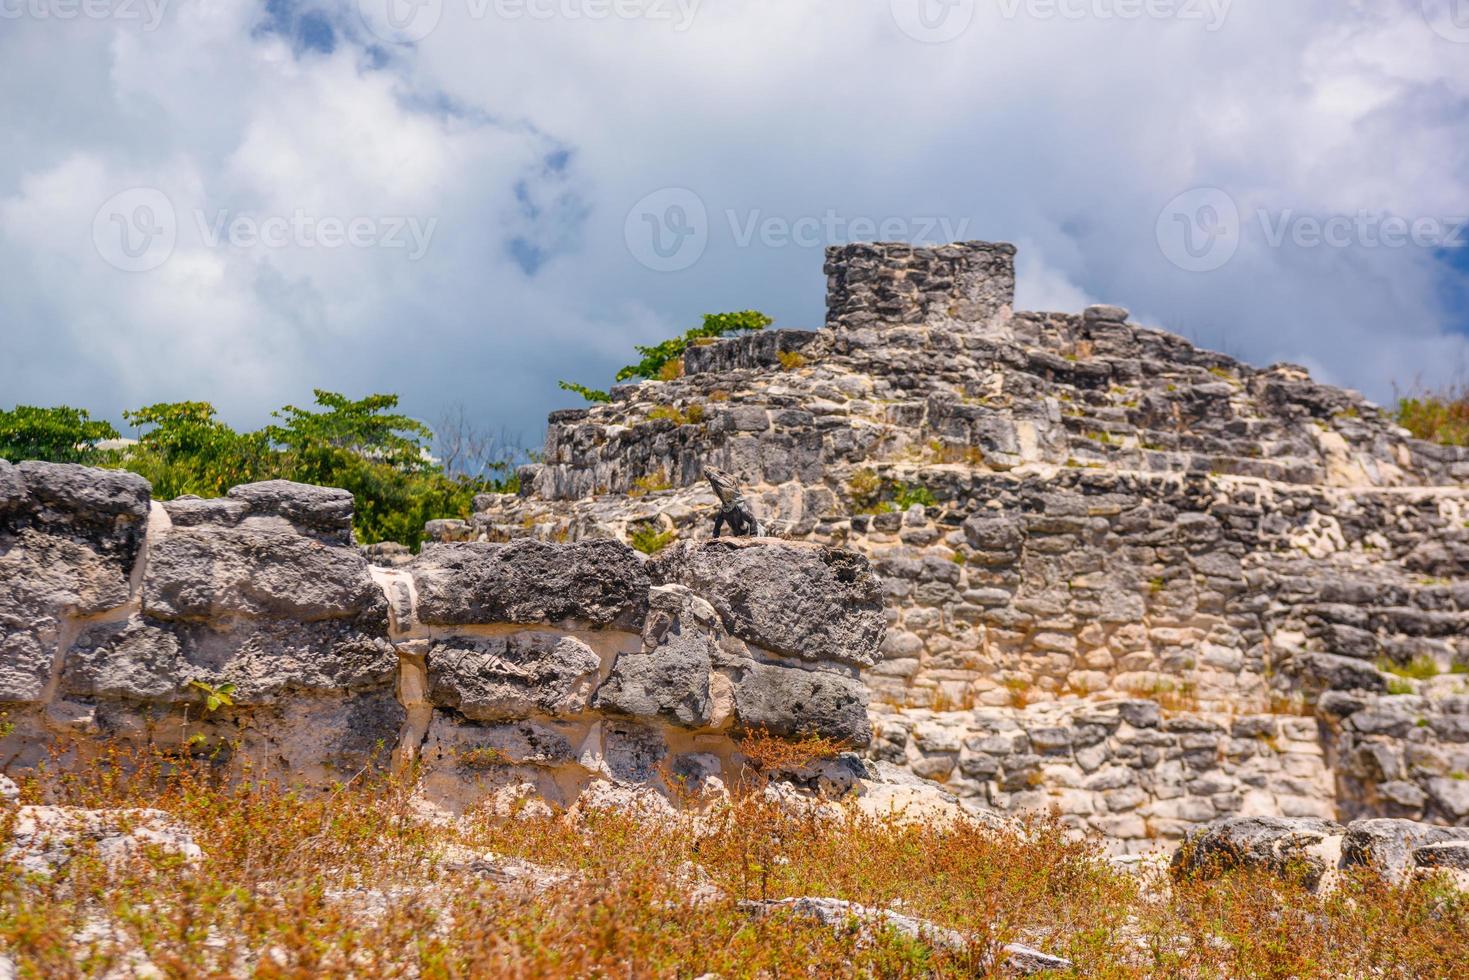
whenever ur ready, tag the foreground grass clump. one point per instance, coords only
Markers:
(353, 884)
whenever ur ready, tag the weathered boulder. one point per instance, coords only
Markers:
(213, 573)
(103, 502)
(512, 677)
(1446, 854)
(324, 513)
(841, 914)
(148, 660)
(796, 599)
(669, 677)
(1292, 846)
(1329, 672)
(791, 701)
(597, 583)
(1388, 845)
(69, 539)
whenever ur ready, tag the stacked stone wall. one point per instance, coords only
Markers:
(1064, 510)
(248, 630)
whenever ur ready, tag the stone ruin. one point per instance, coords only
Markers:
(1123, 577)
(563, 672)
(1036, 561)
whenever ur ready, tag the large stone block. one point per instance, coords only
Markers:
(321, 512)
(790, 702)
(1281, 845)
(796, 599)
(154, 661)
(669, 677)
(512, 677)
(596, 583)
(69, 538)
(212, 573)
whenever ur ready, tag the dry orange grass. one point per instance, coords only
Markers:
(351, 884)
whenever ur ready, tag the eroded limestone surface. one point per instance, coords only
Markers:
(523, 667)
(1070, 514)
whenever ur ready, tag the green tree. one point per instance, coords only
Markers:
(60, 435)
(364, 428)
(184, 449)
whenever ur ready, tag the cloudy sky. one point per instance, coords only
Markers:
(462, 201)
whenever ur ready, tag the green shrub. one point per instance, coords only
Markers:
(590, 394)
(647, 539)
(715, 325)
(664, 361)
(1437, 416)
(906, 495)
(381, 456)
(62, 434)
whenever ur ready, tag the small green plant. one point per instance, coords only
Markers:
(590, 394)
(215, 697)
(906, 495)
(864, 487)
(1397, 685)
(692, 415)
(1156, 584)
(647, 539)
(791, 360)
(1421, 667)
(652, 483)
(483, 757)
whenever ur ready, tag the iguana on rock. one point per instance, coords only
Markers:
(733, 507)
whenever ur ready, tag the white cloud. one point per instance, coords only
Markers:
(1066, 136)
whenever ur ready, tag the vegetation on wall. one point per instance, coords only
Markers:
(1440, 416)
(664, 361)
(402, 472)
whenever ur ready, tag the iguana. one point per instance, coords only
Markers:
(733, 507)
